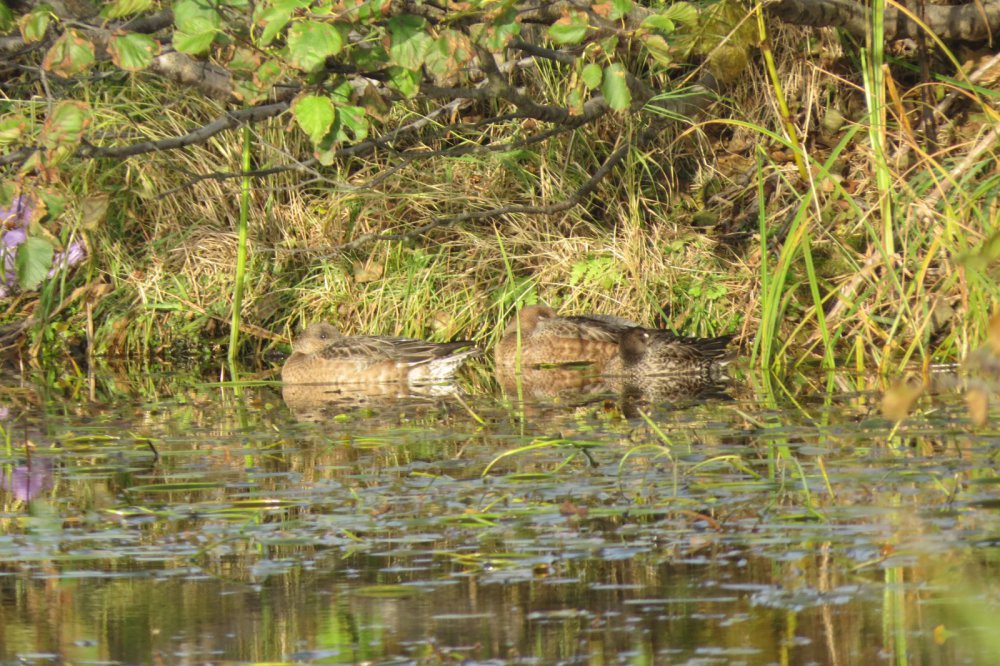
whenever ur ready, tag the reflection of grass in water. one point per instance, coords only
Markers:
(555, 495)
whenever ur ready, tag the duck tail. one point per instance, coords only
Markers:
(718, 349)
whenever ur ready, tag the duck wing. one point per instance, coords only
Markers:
(597, 328)
(666, 344)
(405, 351)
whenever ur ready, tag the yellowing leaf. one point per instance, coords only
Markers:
(658, 48)
(34, 25)
(120, 8)
(66, 123)
(615, 87)
(93, 210)
(11, 128)
(570, 29)
(72, 54)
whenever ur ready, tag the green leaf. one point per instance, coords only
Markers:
(341, 94)
(310, 42)
(570, 29)
(6, 194)
(315, 115)
(274, 20)
(195, 17)
(615, 88)
(404, 80)
(197, 23)
(620, 8)
(592, 75)
(33, 261)
(11, 128)
(682, 12)
(6, 17)
(351, 125)
(133, 52)
(274, 17)
(659, 22)
(72, 54)
(351, 120)
(370, 57)
(193, 44)
(268, 74)
(120, 8)
(409, 41)
(34, 25)
(609, 44)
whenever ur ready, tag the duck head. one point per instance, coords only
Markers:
(633, 345)
(528, 318)
(315, 338)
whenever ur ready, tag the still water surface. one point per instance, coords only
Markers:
(172, 520)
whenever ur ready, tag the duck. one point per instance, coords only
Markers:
(321, 355)
(549, 341)
(645, 353)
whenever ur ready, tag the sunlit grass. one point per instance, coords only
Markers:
(834, 243)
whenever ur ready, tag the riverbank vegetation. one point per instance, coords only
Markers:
(828, 192)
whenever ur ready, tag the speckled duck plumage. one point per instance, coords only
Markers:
(548, 340)
(321, 355)
(645, 352)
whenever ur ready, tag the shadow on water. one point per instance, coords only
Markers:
(683, 523)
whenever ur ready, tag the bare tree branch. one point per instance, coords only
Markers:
(228, 121)
(549, 209)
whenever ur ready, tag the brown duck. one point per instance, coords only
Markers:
(645, 352)
(550, 341)
(321, 355)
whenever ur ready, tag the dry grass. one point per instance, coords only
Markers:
(674, 233)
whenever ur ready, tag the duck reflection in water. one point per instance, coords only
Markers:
(549, 356)
(570, 357)
(327, 368)
(655, 366)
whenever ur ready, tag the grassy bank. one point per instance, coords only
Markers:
(852, 241)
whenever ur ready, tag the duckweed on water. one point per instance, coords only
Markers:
(799, 528)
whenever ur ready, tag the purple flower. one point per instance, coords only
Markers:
(18, 213)
(73, 255)
(8, 249)
(15, 218)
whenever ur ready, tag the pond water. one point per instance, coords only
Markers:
(155, 516)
